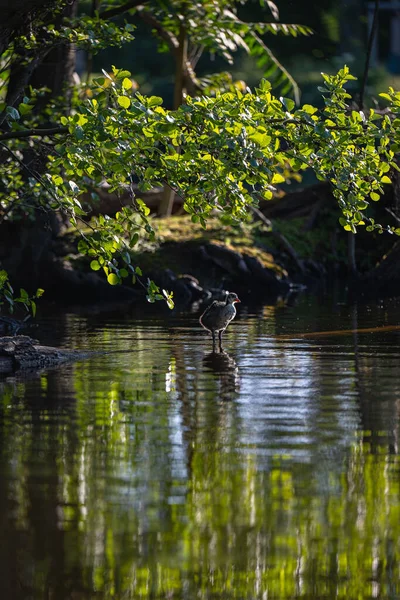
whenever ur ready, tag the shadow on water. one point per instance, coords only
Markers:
(164, 470)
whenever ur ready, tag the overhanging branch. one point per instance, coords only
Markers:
(16, 135)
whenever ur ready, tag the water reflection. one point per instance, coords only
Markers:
(226, 372)
(165, 471)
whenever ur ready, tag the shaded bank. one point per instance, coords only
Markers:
(293, 241)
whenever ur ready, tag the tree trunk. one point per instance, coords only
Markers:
(27, 253)
(52, 69)
(17, 15)
(167, 202)
(351, 253)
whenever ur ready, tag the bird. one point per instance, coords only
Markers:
(218, 315)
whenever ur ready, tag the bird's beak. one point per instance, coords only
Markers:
(237, 300)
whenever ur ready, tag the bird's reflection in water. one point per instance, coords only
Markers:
(225, 371)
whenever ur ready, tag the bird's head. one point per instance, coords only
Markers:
(232, 298)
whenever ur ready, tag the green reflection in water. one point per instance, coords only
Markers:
(151, 474)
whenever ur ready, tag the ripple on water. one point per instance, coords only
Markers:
(164, 470)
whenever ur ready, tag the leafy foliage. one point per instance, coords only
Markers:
(234, 149)
(8, 296)
(209, 25)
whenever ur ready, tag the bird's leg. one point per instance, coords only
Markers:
(220, 340)
(213, 337)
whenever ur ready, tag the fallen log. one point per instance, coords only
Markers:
(24, 353)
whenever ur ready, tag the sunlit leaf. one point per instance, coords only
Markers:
(124, 101)
(113, 279)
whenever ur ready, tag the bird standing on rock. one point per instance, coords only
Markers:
(218, 315)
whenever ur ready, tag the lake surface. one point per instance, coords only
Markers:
(163, 471)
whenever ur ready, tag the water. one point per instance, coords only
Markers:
(163, 471)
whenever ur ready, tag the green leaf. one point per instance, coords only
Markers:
(73, 187)
(80, 119)
(309, 109)
(374, 196)
(124, 101)
(288, 103)
(154, 101)
(362, 205)
(385, 179)
(265, 85)
(356, 116)
(134, 239)
(57, 180)
(3, 277)
(127, 84)
(122, 74)
(113, 279)
(95, 265)
(83, 246)
(78, 131)
(277, 178)
(12, 113)
(261, 138)
(24, 108)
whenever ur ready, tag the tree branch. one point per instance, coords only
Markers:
(23, 75)
(169, 38)
(172, 43)
(118, 10)
(16, 135)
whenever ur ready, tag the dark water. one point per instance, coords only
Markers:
(164, 471)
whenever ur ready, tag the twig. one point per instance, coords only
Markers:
(392, 214)
(369, 51)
